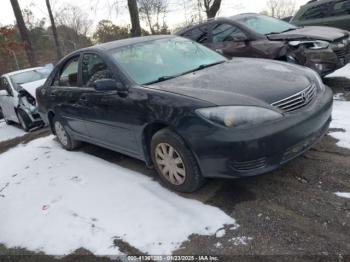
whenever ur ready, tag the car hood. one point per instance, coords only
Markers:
(241, 81)
(311, 32)
(32, 86)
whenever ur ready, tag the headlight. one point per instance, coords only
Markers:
(318, 80)
(313, 45)
(238, 116)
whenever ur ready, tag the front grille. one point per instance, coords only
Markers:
(341, 53)
(341, 48)
(297, 101)
(245, 166)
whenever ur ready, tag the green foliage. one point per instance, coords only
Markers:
(106, 31)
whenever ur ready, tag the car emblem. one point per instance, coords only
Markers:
(303, 97)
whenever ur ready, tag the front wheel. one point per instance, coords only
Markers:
(24, 120)
(175, 163)
(63, 137)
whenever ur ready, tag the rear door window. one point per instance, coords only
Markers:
(198, 34)
(227, 33)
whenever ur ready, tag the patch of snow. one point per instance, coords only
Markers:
(240, 240)
(342, 72)
(220, 233)
(9, 132)
(236, 226)
(218, 245)
(57, 201)
(341, 120)
(342, 194)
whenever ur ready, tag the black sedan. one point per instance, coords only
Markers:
(185, 109)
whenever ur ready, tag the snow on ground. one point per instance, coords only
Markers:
(341, 120)
(9, 132)
(56, 201)
(344, 195)
(342, 72)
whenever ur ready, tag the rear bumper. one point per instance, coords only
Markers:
(231, 153)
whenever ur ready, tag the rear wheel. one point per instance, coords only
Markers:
(175, 163)
(63, 136)
(24, 120)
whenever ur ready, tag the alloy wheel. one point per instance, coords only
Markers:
(61, 133)
(170, 164)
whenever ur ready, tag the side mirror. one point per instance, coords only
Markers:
(104, 85)
(241, 38)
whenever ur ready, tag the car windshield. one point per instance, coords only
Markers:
(30, 76)
(162, 59)
(266, 25)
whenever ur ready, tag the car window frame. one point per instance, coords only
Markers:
(119, 79)
(215, 25)
(58, 72)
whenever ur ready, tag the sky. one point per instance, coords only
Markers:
(103, 9)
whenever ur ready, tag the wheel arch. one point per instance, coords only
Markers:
(147, 134)
(50, 116)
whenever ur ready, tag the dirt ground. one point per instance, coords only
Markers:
(291, 214)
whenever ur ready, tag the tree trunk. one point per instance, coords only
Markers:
(24, 32)
(54, 31)
(135, 18)
(212, 10)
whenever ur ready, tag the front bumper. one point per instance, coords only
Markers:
(326, 61)
(232, 153)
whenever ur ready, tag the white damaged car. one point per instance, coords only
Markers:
(17, 96)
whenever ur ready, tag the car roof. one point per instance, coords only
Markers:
(126, 42)
(217, 19)
(22, 71)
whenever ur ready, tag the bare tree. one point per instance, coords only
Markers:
(211, 7)
(54, 30)
(23, 32)
(281, 8)
(134, 17)
(154, 12)
(75, 19)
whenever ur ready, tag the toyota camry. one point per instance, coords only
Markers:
(184, 109)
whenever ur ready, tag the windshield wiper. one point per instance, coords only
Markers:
(209, 65)
(161, 79)
(164, 78)
(285, 31)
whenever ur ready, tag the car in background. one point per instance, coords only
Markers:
(334, 13)
(323, 49)
(17, 96)
(185, 109)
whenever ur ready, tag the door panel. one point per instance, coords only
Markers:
(66, 95)
(230, 41)
(8, 101)
(110, 119)
(107, 115)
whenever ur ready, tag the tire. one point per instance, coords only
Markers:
(175, 163)
(66, 141)
(24, 120)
